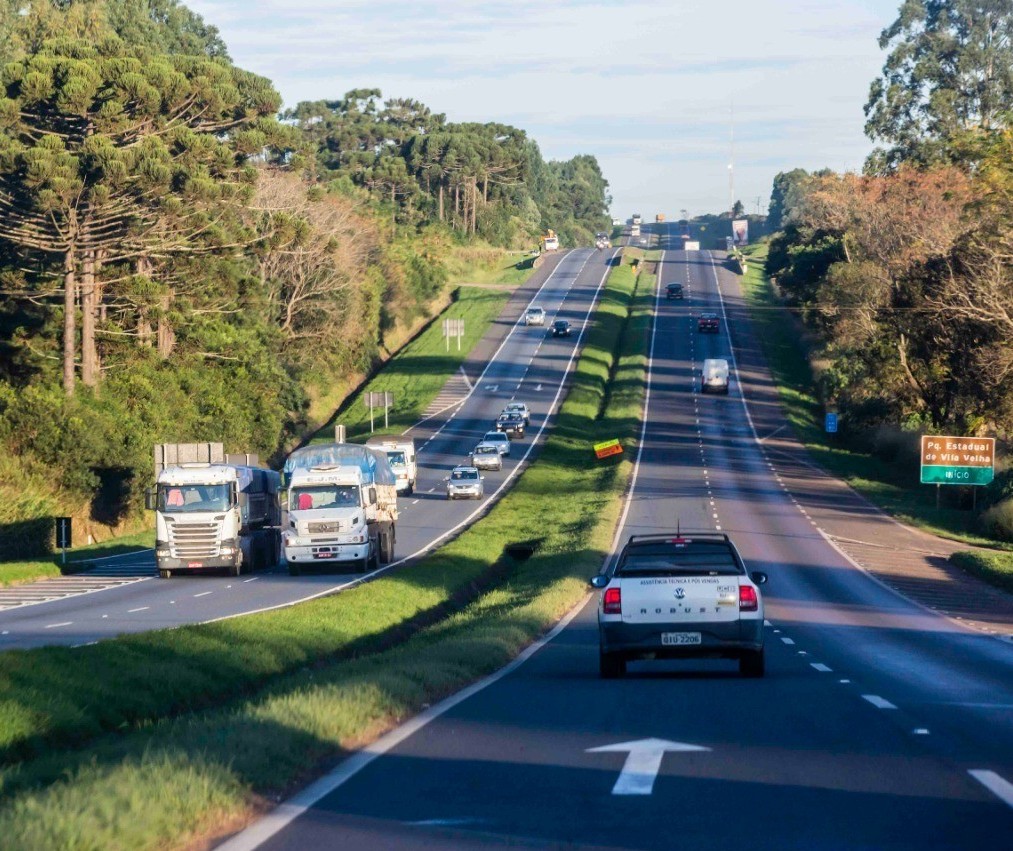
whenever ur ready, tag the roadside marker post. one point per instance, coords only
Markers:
(453, 328)
(382, 399)
(63, 536)
(830, 422)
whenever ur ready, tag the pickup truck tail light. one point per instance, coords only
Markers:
(748, 601)
(613, 602)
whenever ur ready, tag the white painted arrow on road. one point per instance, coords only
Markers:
(643, 763)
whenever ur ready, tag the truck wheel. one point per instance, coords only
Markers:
(411, 489)
(751, 663)
(611, 665)
(386, 547)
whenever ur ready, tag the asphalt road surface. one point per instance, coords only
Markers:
(879, 724)
(520, 363)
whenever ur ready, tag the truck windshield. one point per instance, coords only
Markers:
(178, 499)
(397, 459)
(323, 496)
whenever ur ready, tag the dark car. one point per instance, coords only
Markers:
(560, 328)
(708, 323)
(512, 425)
(674, 291)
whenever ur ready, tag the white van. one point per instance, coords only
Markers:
(715, 375)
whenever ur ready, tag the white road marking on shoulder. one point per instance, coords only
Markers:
(55, 625)
(141, 609)
(819, 666)
(878, 702)
(203, 593)
(251, 579)
(786, 640)
(998, 786)
(920, 731)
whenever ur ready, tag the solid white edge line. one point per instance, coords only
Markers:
(998, 786)
(484, 505)
(286, 813)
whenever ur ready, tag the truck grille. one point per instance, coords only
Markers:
(321, 528)
(193, 540)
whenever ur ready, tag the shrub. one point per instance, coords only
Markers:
(997, 521)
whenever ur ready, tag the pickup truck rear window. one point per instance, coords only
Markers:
(692, 559)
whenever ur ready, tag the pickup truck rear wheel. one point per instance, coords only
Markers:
(611, 665)
(751, 663)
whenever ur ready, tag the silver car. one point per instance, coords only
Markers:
(519, 408)
(499, 440)
(466, 482)
(485, 456)
(534, 316)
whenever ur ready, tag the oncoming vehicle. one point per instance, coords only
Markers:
(708, 323)
(499, 440)
(511, 424)
(674, 290)
(485, 456)
(714, 376)
(534, 316)
(681, 595)
(519, 408)
(465, 481)
(561, 328)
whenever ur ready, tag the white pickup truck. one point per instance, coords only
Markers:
(401, 455)
(680, 595)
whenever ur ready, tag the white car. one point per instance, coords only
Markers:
(499, 440)
(678, 596)
(485, 456)
(534, 316)
(465, 481)
(519, 408)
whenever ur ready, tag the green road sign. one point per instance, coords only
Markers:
(933, 475)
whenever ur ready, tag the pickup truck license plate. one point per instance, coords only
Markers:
(669, 639)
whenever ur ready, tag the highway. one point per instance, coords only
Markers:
(880, 724)
(513, 362)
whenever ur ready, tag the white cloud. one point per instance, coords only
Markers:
(646, 86)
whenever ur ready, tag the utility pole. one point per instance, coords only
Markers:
(731, 168)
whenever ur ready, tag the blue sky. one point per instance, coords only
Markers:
(647, 87)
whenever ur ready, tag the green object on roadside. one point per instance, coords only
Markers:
(939, 475)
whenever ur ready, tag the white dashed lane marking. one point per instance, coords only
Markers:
(878, 702)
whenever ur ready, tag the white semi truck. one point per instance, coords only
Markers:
(401, 455)
(342, 507)
(215, 516)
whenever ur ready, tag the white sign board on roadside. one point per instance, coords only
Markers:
(691, 246)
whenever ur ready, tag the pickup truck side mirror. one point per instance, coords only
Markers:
(151, 499)
(599, 581)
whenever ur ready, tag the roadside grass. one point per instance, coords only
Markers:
(417, 373)
(489, 266)
(892, 486)
(28, 570)
(273, 699)
(995, 568)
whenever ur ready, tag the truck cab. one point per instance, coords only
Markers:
(401, 455)
(215, 517)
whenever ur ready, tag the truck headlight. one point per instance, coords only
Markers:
(226, 550)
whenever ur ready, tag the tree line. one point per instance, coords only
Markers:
(902, 274)
(179, 260)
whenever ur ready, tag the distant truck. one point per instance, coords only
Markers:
(636, 219)
(214, 514)
(635, 229)
(401, 455)
(550, 242)
(342, 507)
(660, 217)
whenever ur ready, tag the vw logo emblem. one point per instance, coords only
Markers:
(680, 593)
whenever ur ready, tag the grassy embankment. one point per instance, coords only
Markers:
(15, 572)
(891, 486)
(150, 741)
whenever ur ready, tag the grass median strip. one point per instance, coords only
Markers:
(262, 720)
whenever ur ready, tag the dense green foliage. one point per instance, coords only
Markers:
(177, 264)
(485, 179)
(947, 83)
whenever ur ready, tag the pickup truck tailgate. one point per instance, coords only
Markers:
(678, 599)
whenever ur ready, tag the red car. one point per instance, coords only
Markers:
(708, 323)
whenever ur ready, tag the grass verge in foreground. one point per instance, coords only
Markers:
(28, 570)
(891, 487)
(996, 568)
(170, 777)
(417, 373)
